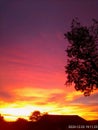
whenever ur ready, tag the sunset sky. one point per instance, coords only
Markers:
(32, 58)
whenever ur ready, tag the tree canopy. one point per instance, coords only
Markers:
(1, 117)
(82, 52)
(35, 116)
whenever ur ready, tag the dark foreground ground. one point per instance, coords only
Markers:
(51, 122)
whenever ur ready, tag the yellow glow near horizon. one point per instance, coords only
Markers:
(12, 114)
(44, 103)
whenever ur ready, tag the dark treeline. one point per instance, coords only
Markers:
(51, 122)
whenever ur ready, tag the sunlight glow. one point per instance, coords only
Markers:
(53, 102)
(12, 114)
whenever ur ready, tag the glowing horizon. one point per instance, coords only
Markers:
(23, 109)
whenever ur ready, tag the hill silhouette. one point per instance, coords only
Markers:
(51, 122)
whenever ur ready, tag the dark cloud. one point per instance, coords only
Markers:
(27, 98)
(4, 95)
(90, 100)
(56, 98)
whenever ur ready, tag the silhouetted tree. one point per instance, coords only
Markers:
(21, 120)
(35, 116)
(82, 66)
(1, 118)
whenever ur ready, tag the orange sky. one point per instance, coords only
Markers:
(32, 58)
(55, 101)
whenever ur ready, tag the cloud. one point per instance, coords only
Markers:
(6, 95)
(35, 95)
(57, 98)
(90, 100)
(55, 101)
